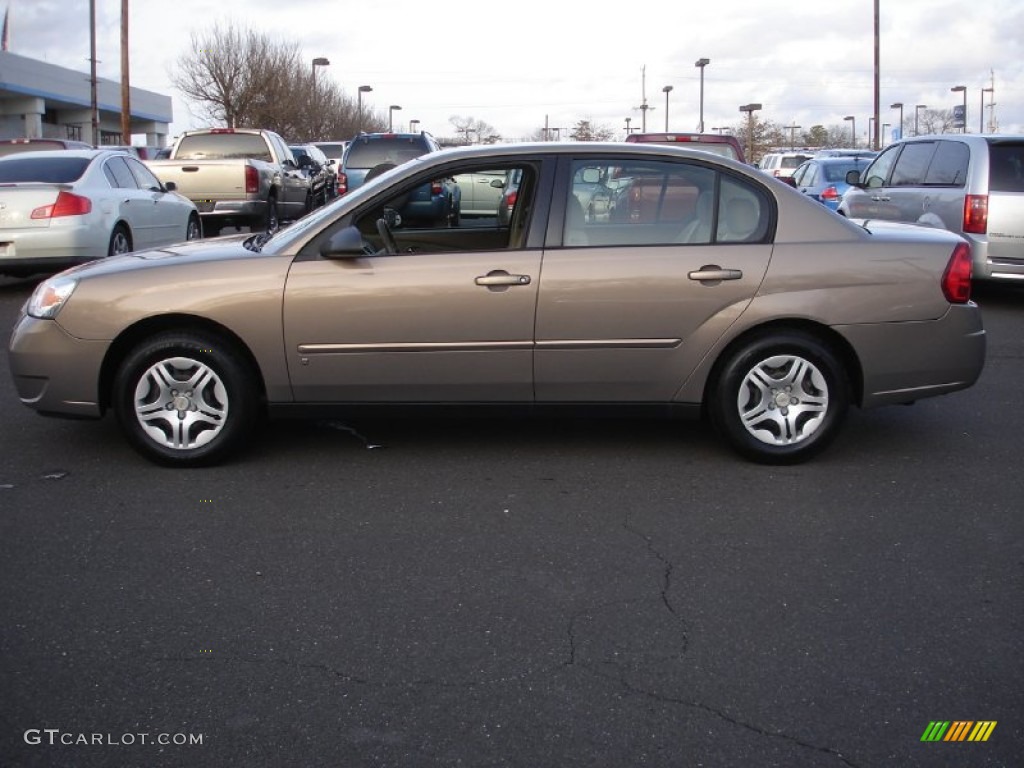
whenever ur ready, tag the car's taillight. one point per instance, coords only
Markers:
(252, 180)
(956, 280)
(66, 204)
(342, 183)
(510, 199)
(976, 214)
(436, 188)
(830, 193)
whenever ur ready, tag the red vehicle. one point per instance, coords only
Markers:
(720, 144)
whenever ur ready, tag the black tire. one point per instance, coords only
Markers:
(780, 398)
(197, 423)
(271, 219)
(120, 241)
(194, 228)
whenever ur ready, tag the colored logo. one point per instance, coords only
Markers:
(958, 730)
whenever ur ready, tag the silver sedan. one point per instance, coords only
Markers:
(66, 207)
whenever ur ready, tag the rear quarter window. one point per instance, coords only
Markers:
(1006, 167)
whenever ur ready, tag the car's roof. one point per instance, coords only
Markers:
(86, 153)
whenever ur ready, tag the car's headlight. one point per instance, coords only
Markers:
(49, 296)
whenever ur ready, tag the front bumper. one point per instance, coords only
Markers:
(55, 373)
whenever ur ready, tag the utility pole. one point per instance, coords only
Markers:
(126, 103)
(94, 98)
(643, 103)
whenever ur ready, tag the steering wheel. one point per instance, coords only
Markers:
(387, 238)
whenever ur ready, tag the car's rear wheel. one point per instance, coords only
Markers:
(780, 398)
(185, 398)
(120, 241)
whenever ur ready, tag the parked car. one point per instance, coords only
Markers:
(63, 208)
(240, 177)
(335, 151)
(969, 184)
(371, 154)
(16, 146)
(782, 164)
(845, 152)
(313, 163)
(720, 144)
(480, 192)
(824, 179)
(757, 306)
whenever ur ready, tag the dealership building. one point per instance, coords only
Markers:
(40, 100)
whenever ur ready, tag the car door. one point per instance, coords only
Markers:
(630, 304)
(137, 207)
(170, 214)
(450, 317)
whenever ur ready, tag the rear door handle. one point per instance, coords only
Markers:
(501, 277)
(881, 198)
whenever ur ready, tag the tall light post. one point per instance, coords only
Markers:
(359, 110)
(750, 109)
(628, 129)
(917, 113)
(391, 117)
(792, 134)
(701, 63)
(962, 89)
(414, 126)
(878, 58)
(853, 129)
(870, 133)
(319, 61)
(885, 130)
(899, 105)
(666, 90)
(981, 117)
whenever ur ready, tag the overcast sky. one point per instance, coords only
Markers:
(518, 65)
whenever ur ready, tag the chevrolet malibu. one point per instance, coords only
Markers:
(703, 287)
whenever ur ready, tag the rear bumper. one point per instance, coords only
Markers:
(910, 361)
(994, 263)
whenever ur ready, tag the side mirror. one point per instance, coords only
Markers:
(346, 243)
(170, 186)
(853, 178)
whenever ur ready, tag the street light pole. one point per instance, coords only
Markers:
(877, 81)
(899, 105)
(853, 128)
(981, 117)
(917, 112)
(628, 129)
(962, 89)
(792, 135)
(750, 109)
(414, 126)
(359, 112)
(666, 90)
(319, 61)
(391, 117)
(701, 63)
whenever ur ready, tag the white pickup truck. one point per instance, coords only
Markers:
(237, 176)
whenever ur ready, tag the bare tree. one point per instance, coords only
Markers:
(586, 130)
(474, 131)
(238, 77)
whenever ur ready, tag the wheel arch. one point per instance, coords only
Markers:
(132, 336)
(834, 340)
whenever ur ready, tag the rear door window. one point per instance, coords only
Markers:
(949, 164)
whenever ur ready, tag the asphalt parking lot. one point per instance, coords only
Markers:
(493, 593)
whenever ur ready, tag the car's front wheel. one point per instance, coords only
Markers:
(185, 398)
(780, 398)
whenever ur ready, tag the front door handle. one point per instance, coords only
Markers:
(714, 274)
(881, 198)
(501, 277)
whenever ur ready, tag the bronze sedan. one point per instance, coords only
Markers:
(701, 286)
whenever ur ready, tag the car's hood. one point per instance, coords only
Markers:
(196, 251)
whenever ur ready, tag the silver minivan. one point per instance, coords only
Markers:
(970, 184)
